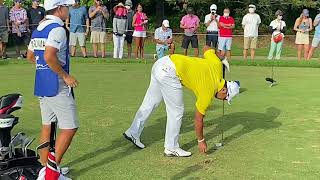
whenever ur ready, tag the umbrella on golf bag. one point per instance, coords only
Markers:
(52, 171)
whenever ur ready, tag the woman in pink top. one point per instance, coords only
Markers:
(139, 23)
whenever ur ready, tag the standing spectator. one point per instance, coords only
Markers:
(277, 28)
(20, 31)
(250, 24)
(190, 23)
(120, 26)
(211, 21)
(4, 29)
(226, 24)
(35, 15)
(78, 27)
(316, 37)
(98, 14)
(129, 33)
(163, 37)
(303, 26)
(139, 22)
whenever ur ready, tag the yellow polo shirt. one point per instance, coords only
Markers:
(201, 75)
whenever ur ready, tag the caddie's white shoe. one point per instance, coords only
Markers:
(177, 152)
(135, 141)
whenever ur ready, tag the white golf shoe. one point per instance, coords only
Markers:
(135, 141)
(177, 152)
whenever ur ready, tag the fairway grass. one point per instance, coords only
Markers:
(270, 133)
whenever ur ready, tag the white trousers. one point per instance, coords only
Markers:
(164, 85)
(118, 42)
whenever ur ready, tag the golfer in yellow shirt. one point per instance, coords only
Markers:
(201, 75)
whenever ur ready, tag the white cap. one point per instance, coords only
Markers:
(165, 23)
(213, 7)
(252, 6)
(52, 4)
(233, 90)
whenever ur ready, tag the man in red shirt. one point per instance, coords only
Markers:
(226, 24)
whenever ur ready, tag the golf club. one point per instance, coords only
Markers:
(220, 144)
(271, 79)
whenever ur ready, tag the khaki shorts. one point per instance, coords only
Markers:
(98, 37)
(250, 42)
(4, 36)
(81, 37)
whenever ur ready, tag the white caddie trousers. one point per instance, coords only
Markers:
(165, 85)
(118, 42)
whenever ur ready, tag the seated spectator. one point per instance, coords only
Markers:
(226, 24)
(78, 27)
(20, 31)
(303, 26)
(99, 14)
(163, 38)
(120, 26)
(4, 29)
(190, 23)
(211, 21)
(277, 27)
(35, 15)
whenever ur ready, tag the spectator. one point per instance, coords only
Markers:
(303, 26)
(250, 24)
(139, 22)
(20, 31)
(78, 27)
(120, 26)
(35, 15)
(4, 29)
(277, 28)
(211, 21)
(226, 24)
(129, 33)
(98, 14)
(163, 38)
(190, 23)
(316, 37)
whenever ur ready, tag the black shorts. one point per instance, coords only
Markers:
(128, 37)
(187, 39)
(23, 40)
(212, 39)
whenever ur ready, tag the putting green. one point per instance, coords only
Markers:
(270, 133)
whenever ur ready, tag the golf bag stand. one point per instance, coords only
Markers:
(16, 160)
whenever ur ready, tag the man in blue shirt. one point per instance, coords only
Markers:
(316, 37)
(49, 50)
(78, 27)
(163, 38)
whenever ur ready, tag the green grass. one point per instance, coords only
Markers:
(270, 133)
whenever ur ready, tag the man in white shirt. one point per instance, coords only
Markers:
(211, 21)
(163, 38)
(250, 24)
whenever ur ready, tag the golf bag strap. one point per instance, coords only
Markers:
(43, 145)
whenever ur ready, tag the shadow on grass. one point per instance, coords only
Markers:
(249, 121)
(124, 148)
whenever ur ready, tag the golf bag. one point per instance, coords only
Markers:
(17, 162)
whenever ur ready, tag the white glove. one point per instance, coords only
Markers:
(226, 64)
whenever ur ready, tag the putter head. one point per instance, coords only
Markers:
(271, 80)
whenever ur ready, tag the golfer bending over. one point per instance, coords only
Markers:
(49, 50)
(201, 75)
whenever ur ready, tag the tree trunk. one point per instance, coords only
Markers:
(159, 11)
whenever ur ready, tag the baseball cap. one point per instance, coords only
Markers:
(233, 90)
(35, 0)
(52, 4)
(190, 10)
(305, 12)
(252, 6)
(166, 23)
(213, 7)
(128, 3)
(17, 1)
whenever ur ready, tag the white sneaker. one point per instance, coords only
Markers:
(135, 141)
(177, 152)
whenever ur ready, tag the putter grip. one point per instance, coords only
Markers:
(52, 136)
(223, 71)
